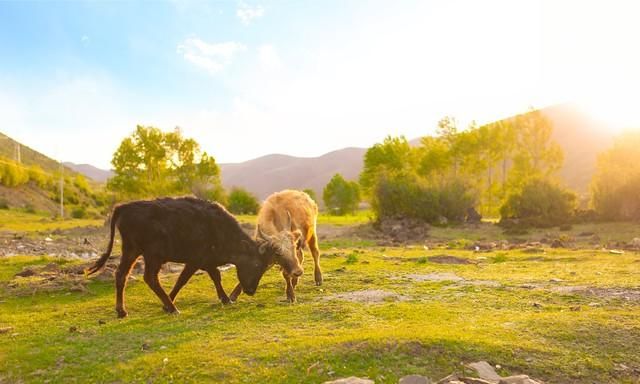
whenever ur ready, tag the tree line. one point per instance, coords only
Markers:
(506, 169)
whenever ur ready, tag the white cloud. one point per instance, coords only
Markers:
(247, 13)
(210, 57)
(84, 39)
(269, 58)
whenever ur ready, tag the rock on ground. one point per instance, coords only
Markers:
(414, 379)
(350, 380)
(485, 371)
(519, 379)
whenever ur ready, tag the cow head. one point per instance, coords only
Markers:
(250, 264)
(283, 247)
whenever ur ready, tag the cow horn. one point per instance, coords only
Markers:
(289, 221)
(263, 235)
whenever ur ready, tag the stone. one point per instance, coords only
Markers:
(350, 380)
(518, 379)
(452, 378)
(475, 380)
(414, 379)
(485, 371)
(557, 243)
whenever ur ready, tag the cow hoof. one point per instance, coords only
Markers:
(121, 313)
(226, 301)
(171, 311)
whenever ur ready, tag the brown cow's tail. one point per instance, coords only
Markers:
(105, 256)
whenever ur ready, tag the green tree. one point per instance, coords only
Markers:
(151, 162)
(311, 193)
(341, 196)
(615, 188)
(535, 154)
(391, 157)
(242, 202)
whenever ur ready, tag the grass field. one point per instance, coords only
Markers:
(360, 217)
(562, 316)
(19, 221)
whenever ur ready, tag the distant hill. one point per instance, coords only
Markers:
(31, 195)
(94, 173)
(267, 174)
(581, 139)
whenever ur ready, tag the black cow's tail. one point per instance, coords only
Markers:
(105, 256)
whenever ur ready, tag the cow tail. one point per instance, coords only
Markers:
(105, 256)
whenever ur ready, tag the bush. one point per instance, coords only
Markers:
(79, 212)
(241, 202)
(11, 174)
(341, 196)
(539, 204)
(4, 204)
(408, 196)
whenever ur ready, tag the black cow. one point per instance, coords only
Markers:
(187, 230)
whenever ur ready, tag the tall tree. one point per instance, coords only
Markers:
(151, 162)
(341, 196)
(535, 154)
(615, 188)
(393, 156)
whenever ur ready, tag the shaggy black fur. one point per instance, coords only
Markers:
(187, 230)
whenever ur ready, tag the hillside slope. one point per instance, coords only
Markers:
(271, 173)
(94, 173)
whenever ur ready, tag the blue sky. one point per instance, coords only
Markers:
(298, 77)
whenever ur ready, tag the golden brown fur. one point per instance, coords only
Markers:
(288, 220)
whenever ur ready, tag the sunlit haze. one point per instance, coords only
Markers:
(247, 79)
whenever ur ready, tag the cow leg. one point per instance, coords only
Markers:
(129, 257)
(151, 270)
(214, 274)
(291, 295)
(185, 275)
(315, 251)
(235, 293)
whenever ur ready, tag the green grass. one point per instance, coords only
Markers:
(566, 338)
(20, 221)
(360, 217)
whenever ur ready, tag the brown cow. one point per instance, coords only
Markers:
(288, 218)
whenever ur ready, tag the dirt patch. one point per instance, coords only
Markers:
(76, 243)
(632, 295)
(71, 277)
(447, 259)
(368, 296)
(401, 230)
(436, 277)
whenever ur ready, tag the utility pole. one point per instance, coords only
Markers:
(18, 154)
(61, 191)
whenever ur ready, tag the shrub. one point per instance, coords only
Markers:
(341, 196)
(242, 202)
(79, 212)
(539, 204)
(29, 208)
(12, 175)
(4, 204)
(408, 196)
